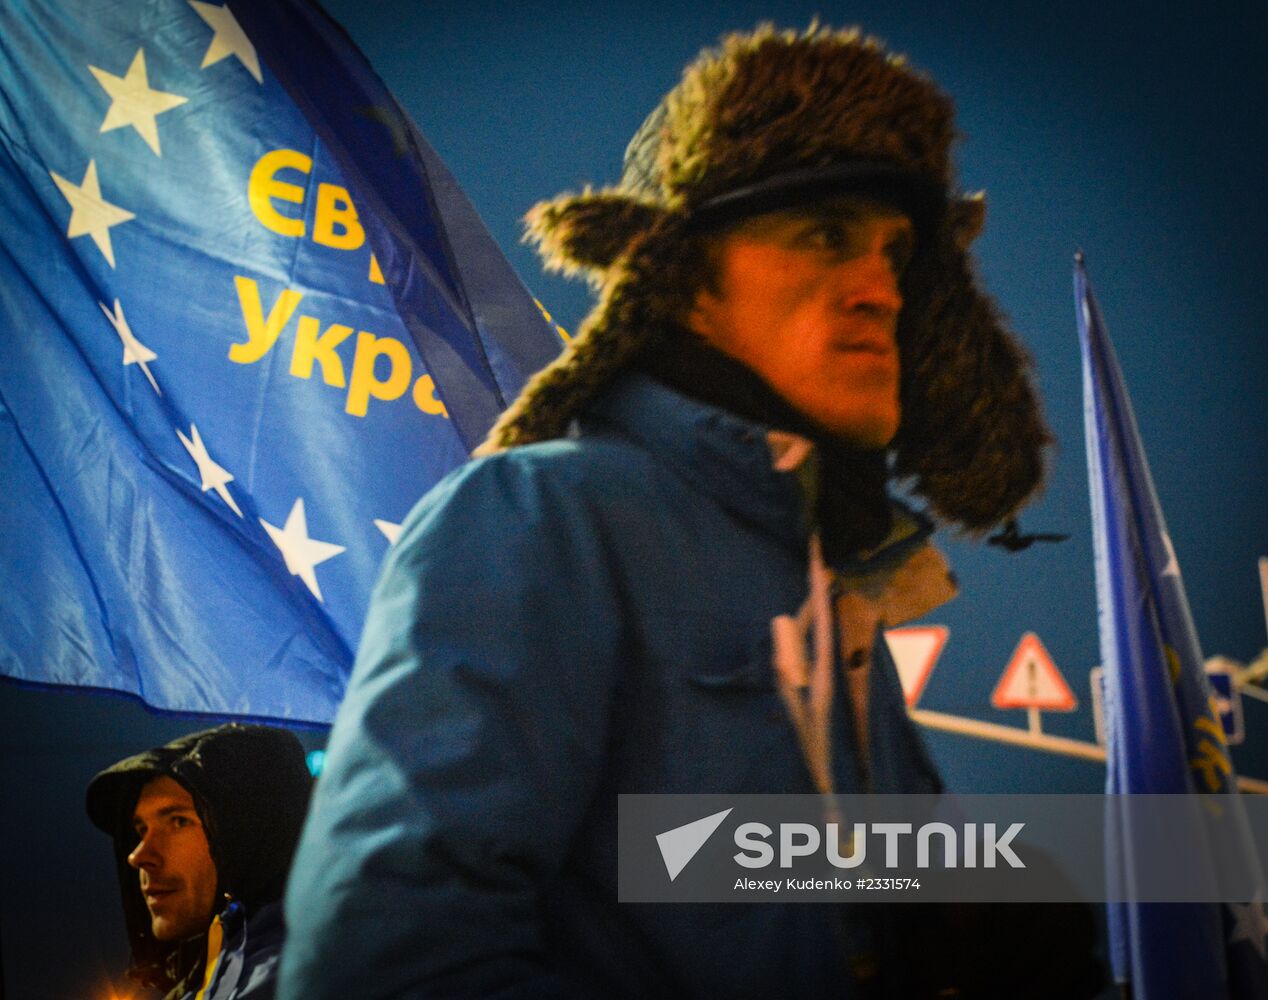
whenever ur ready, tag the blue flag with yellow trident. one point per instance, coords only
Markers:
(1163, 730)
(248, 319)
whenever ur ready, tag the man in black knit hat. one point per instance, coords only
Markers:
(671, 569)
(204, 829)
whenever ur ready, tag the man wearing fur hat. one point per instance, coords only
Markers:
(204, 829)
(670, 571)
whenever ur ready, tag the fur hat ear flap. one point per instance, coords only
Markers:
(640, 296)
(972, 432)
(588, 231)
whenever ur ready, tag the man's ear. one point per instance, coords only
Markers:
(700, 318)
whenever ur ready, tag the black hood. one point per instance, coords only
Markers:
(250, 786)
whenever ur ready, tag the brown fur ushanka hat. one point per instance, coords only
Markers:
(760, 116)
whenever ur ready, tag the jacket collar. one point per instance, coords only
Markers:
(719, 454)
(733, 461)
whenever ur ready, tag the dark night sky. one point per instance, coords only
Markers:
(1133, 131)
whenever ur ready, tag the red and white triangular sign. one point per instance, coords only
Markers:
(1032, 680)
(915, 650)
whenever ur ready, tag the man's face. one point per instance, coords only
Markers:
(178, 878)
(808, 298)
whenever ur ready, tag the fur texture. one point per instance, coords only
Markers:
(589, 231)
(757, 107)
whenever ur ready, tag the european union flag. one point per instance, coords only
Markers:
(1163, 728)
(248, 319)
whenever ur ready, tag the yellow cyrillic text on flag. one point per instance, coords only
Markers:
(381, 369)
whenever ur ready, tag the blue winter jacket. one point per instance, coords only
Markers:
(246, 968)
(556, 625)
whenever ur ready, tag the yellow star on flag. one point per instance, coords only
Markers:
(90, 214)
(133, 102)
(302, 553)
(1250, 924)
(134, 352)
(229, 38)
(214, 476)
(391, 530)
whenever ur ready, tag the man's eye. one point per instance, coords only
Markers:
(827, 237)
(181, 821)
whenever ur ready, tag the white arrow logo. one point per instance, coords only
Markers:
(679, 845)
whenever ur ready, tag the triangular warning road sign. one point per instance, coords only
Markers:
(915, 649)
(1032, 680)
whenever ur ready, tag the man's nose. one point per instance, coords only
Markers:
(145, 854)
(871, 283)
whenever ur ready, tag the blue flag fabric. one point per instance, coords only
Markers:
(1163, 730)
(418, 219)
(247, 321)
